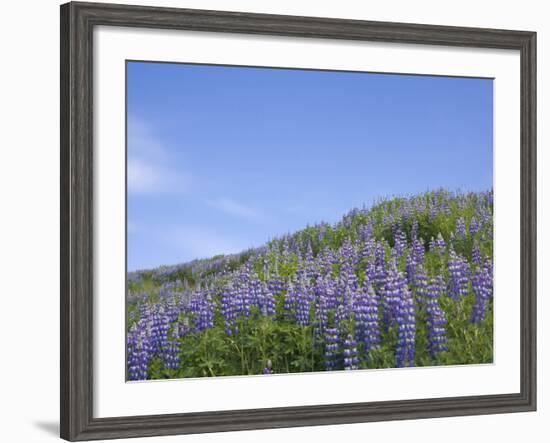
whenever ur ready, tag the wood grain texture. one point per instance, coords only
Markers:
(76, 307)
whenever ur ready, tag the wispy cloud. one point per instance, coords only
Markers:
(149, 169)
(132, 227)
(149, 178)
(199, 242)
(235, 209)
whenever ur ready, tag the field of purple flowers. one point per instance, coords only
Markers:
(408, 282)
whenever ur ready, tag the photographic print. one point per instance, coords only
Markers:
(285, 220)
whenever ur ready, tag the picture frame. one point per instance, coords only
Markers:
(78, 21)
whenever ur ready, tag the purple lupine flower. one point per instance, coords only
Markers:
(268, 369)
(332, 349)
(303, 304)
(266, 301)
(347, 220)
(414, 230)
(369, 248)
(421, 286)
(182, 328)
(460, 228)
(400, 243)
(415, 259)
(275, 284)
(406, 330)
(255, 292)
(438, 245)
(482, 286)
(139, 356)
(433, 212)
(372, 326)
(285, 253)
(291, 297)
(485, 217)
(351, 361)
(326, 261)
(380, 266)
(171, 352)
(321, 315)
(411, 269)
(171, 310)
(245, 295)
(359, 310)
(145, 312)
(437, 334)
(418, 251)
(392, 292)
(474, 226)
(164, 327)
(476, 254)
(458, 275)
(204, 312)
(370, 271)
(343, 312)
(348, 278)
(152, 329)
(327, 287)
(229, 307)
(349, 258)
(366, 232)
(310, 266)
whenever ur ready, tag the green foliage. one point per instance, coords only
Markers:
(293, 348)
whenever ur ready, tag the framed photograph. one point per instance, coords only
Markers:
(272, 221)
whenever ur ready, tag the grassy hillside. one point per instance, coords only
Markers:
(407, 282)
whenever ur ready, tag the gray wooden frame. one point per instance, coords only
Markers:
(77, 24)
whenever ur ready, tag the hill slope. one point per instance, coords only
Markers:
(407, 282)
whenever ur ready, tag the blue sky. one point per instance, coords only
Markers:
(224, 158)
